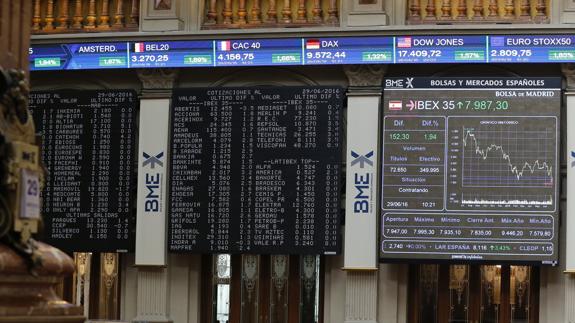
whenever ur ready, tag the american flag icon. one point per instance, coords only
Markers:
(404, 42)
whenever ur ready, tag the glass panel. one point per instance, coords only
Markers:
(490, 293)
(428, 277)
(458, 293)
(222, 270)
(250, 288)
(309, 297)
(520, 293)
(279, 289)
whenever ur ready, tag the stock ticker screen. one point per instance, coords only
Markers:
(88, 149)
(470, 169)
(256, 170)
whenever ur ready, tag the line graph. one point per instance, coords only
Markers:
(502, 162)
(507, 199)
(491, 164)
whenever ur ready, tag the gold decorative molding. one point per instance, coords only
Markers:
(478, 11)
(158, 78)
(568, 71)
(365, 75)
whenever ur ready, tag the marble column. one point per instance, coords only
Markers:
(361, 289)
(153, 281)
(567, 241)
(367, 13)
(161, 15)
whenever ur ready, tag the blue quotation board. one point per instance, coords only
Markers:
(306, 51)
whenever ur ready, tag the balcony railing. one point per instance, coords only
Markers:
(228, 14)
(75, 16)
(478, 11)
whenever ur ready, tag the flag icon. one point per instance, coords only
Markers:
(139, 47)
(312, 44)
(225, 46)
(395, 105)
(497, 41)
(404, 42)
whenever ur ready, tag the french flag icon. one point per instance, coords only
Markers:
(225, 46)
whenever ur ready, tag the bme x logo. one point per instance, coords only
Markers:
(153, 160)
(362, 159)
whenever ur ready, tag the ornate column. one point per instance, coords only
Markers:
(91, 17)
(63, 18)
(153, 281)
(36, 18)
(366, 13)
(78, 16)
(29, 270)
(49, 19)
(286, 12)
(301, 12)
(255, 17)
(272, 12)
(119, 17)
(133, 21)
(105, 15)
(360, 253)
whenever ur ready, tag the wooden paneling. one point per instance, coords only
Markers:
(76, 16)
(15, 18)
(234, 14)
(477, 11)
(475, 304)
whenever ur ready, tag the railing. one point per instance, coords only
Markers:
(227, 14)
(74, 16)
(478, 11)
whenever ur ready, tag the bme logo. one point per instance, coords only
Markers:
(153, 182)
(362, 182)
(153, 160)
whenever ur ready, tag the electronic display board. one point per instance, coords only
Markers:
(440, 49)
(88, 145)
(256, 170)
(79, 56)
(352, 50)
(470, 169)
(262, 52)
(402, 49)
(532, 49)
(170, 54)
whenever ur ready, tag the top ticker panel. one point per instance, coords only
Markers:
(306, 51)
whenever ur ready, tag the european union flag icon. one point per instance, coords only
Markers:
(497, 41)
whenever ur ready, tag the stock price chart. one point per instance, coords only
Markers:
(470, 169)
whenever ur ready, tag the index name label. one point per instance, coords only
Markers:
(532, 49)
(171, 54)
(321, 51)
(440, 49)
(89, 56)
(48, 57)
(470, 168)
(264, 52)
